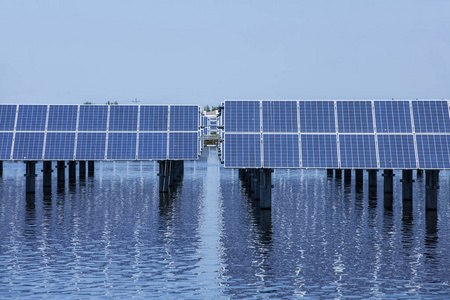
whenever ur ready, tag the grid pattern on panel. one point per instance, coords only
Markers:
(393, 117)
(91, 146)
(319, 151)
(242, 150)
(152, 146)
(358, 151)
(6, 139)
(93, 118)
(28, 145)
(396, 151)
(62, 118)
(183, 145)
(242, 116)
(123, 118)
(281, 151)
(355, 116)
(31, 118)
(59, 146)
(7, 117)
(431, 116)
(317, 117)
(153, 118)
(279, 116)
(184, 118)
(122, 146)
(433, 151)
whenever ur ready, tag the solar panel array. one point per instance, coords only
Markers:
(99, 132)
(378, 134)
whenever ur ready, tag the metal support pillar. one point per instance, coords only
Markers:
(252, 181)
(419, 173)
(1, 168)
(30, 177)
(91, 168)
(431, 187)
(359, 175)
(82, 169)
(265, 189)
(407, 185)
(338, 173)
(72, 170)
(372, 178)
(47, 174)
(330, 172)
(257, 181)
(163, 176)
(348, 175)
(388, 181)
(61, 166)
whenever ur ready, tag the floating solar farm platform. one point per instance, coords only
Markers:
(337, 134)
(99, 132)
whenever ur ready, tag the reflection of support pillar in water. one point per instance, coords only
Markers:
(431, 187)
(30, 177)
(82, 169)
(72, 170)
(47, 176)
(330, 172)
(266, 188)
(372, 178)
(431, 221)
(388, 201)
(91, 168)
(265, 216)
(407, 185)
(338, 173)
(61, 173)
(347, 175)
(359, 176)
(388, 181)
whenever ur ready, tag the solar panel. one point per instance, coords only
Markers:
(317, 117)
(31, 118)
(358, 151)
(152, 146)
(122, 146)
(184, 118)
(153, 118)
(91, 146)
(319, 151)
(431, 116)
(7, 117)
(242, 116)
(396, 152)
(183, 145)
(6, 139)
(393, 117)
(279, 116)
(59, 146)
(62, 118)
(123, 118)
(355, 116)
(93, 118)
(433, 151)
(242, 150)
(28, 145)
(281, 151)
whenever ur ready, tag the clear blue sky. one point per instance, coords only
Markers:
(202, 52)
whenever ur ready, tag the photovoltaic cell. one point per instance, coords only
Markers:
(242, 150)
(62, 118)
(31, 118)
(242, 116)
(319, 151)
(93, 118)
(6, 139)
(281, 151)
(184, 118)
(91, 146)
(28, 146)
(355, 116)
(433, 151)
(153, 118)
(122, 146)
(59, 146)
(396, 152)
(317, 117)
(431, 116)
(393, 117)
(279, 116)
(152, 146)
(358, 151)
(123, 118)
(7, 117)
(183, 145)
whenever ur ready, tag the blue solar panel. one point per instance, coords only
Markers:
(122, 146)
(152, 146)
(123, 118)
(31, 118)
(184, 118)
(153, 118)
(91, 146)
(396, 152)
(280, 116)
(242, 116)
(59, 146)
(62, 118)
(28, 146)
(431, 116)
(393, 117)
(358, 151)
(317, 117)
(281, 151)
(6, 139)
(242, 150)
(7, 117)
(93, 118)
(433, 151)
(355, 116)
(183, 145)
(319, 151)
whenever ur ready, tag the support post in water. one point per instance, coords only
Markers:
(330, 172)
(163, 176)
(82, 169)
(91, 168)
(372, 178)
(431, 187)
(359, 175)
(338, 173)
(47, 175)
(61, 173)
(257, 183)
(72, 170)
(265, 188)
(30, 177)
(1, 168)
(347, 175)
(388, 181)
(407, 185)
